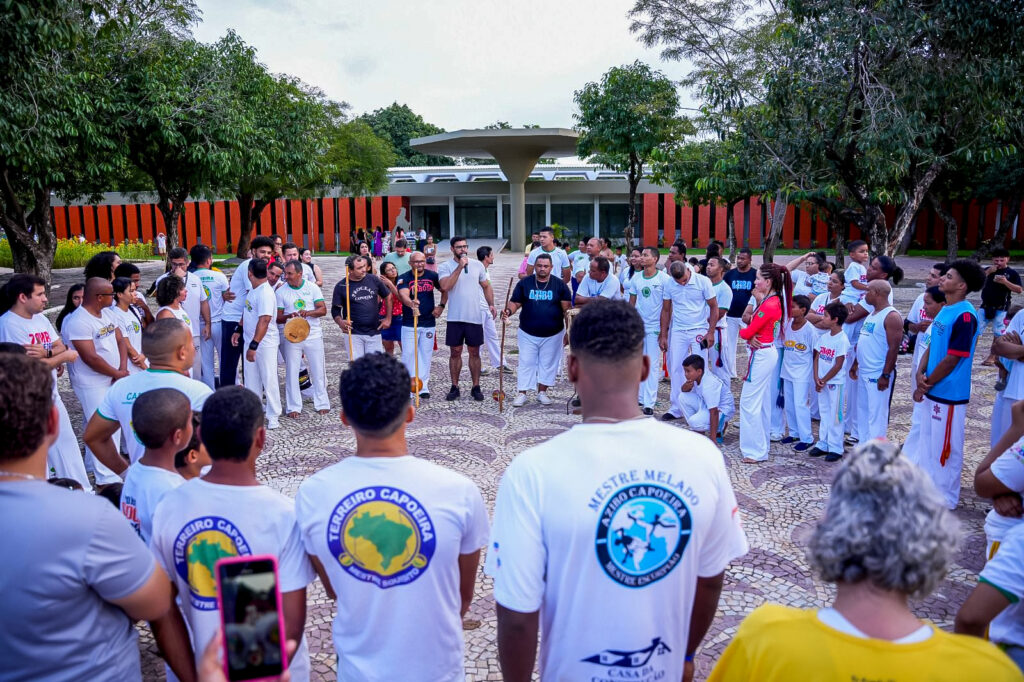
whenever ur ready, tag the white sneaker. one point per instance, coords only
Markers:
(273, 424)
(542, 398)
(520, 400)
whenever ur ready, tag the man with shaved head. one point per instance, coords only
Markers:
(168, 345)
(874, 368)
(93, 332)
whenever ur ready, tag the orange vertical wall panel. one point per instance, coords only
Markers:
(103, 223)
(670, 221)
(649, 230)
(345, 225)
(220, 226)
(970, 226)
(295, 209)
(235, 224)
(787, 227)
(327, 212)
(312, 227)
(703, 226)
(146, 223)
(820, 231)
(361, 215)
(191, 222)
(737, 220)
(131, 222)
(60, 221)
(89, 223)
(205, 230)
(992, 218)
(756, 223)
(394, 207)
(117, 224)
(74, 221)
(686, 224)
(805, 227)
(377, 213)
(280, 227)
(721, 222)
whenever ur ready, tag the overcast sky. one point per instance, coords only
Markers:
(458, 63)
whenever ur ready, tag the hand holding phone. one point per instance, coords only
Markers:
(252, 618)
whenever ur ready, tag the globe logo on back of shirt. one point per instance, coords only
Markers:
(200, 544)
(381, 535)
(642, 533)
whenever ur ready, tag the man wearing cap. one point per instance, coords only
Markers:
(300, 299)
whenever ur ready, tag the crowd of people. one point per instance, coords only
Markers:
(619, 515)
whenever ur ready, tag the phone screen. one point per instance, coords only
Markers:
(252, 625)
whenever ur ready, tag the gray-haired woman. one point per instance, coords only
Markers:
(886, 536)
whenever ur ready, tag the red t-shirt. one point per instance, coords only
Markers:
(765, 322)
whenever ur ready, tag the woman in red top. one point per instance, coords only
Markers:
(393, 334)
(773, 293)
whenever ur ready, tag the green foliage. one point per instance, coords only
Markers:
(71, 253)
(398, 124)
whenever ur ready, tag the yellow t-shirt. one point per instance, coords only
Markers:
(786, 644)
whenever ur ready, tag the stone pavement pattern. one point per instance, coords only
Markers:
(780, 500)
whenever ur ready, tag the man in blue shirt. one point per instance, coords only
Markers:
(944, 381)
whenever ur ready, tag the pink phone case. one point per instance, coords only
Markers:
(280, 612)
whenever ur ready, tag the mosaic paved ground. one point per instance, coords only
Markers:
(780, 500)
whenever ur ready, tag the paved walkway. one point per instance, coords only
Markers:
(780, 500)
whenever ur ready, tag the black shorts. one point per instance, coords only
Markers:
(464, 334)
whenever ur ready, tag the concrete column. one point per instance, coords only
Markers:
(517, 202)
(597, 216)
(451, 216)
(501, 218)
(547, 209)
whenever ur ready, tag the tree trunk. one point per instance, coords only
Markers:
(952, 227)
(31, 235)
(873, 227)
(905, 218)
(775, 232)
(170, 210)
(632, 217)
(841, 229)
(999, 238)
(730, 229)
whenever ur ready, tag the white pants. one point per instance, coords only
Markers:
(538, 360)
(207, 347)
(830, 428)
(424, 348)
(697, 414)
(261, 377)
(314, 351)
(491, 340)
(716, 358)
(733, 325)
(852, 332)
(798, 409)
(89, 397)
(778, 418)
(940, 448)
(873, 414)
(363, 344)
(648, 394)
(197, 360)
(64, 459)
(1000, 417)
(681, 345)
(812, 401)
(756, 399)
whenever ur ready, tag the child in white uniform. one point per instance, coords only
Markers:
(706, 400)
(830, 355)
(796, 377)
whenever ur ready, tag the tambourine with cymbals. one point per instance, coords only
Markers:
(296, 330)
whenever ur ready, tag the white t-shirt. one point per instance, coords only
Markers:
(650, 295)
(559, 260)
(240, 286)
(121, 396)
(198, 523)
(82, 325)
(609, 288)
(144, 487)
(1003, 571)
(464, 297)
(873, 344)
(161, 241)
(798, 353)
(916, 313)
(723, 293)
(855, 272)
(215, 283)
(830, 347)
(818, 305)
(131, 329)
(1015, 381)
(290, 300)
(581, 264)
(1008, 468)
(389, 532)
(192, 304)
(690, 302)
(180, 313)
(924, 339)
(714, 393)
(34, 330)
(800, 283)
(605, 529)
(259, 302)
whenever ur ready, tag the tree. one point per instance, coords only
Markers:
(622, 121)
(398, 124)
(357, 158)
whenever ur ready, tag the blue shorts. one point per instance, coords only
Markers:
(392, 333)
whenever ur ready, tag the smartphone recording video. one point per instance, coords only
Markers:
(251, 617)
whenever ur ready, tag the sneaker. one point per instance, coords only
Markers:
(507, 370)
(453, 394)
(803, 447)
(576, 402)
(520, 400)
(788, 440)
(273, 424)
(1000, 385)
(477, 394)
(668, 417)
(776, 438)
(816, 452)
(851, 440)
(425, 395)
(649, 411)
(542, 398)
(484, 371)
(833, 456)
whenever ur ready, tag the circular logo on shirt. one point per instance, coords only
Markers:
(646, 291)
(642, 534)
(206, 290)
(198, 548)
(300, 304)
(381, 535)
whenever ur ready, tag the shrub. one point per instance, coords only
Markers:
(74, 254)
